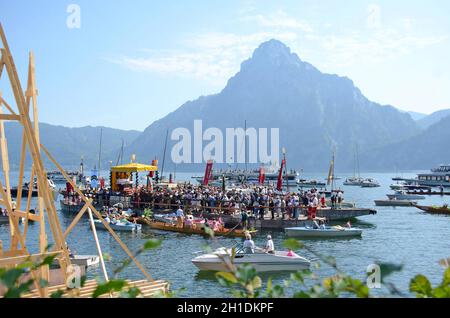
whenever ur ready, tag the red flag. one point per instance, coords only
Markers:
(208, 172)
(280, 176)
(262, 175)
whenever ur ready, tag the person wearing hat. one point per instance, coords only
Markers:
(270, 248)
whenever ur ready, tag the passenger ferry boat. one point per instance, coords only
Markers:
(249, 176)
(437, 177)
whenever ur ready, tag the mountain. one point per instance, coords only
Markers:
(433, 118)
(315, 112)
(417, 116)
(67, 145)
(424, 151)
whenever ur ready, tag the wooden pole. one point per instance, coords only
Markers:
(97, 244)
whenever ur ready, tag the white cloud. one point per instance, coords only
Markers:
(383, 44)
(214, 57)
(374, 16)
(278, 20)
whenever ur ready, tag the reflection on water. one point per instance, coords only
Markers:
(402, 235)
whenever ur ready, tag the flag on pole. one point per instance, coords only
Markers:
(208, 172)
(262, 175)
(280, 176)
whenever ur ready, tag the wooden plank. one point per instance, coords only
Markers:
(9, 117)
(30, 216)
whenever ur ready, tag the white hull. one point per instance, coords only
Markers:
(394, 203)
(261, 262)
(85, 260)
(327, 233)
(405, 197)
(118, 228)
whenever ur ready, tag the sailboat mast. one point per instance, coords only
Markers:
(100, 152)
(164, 154)
(357, 160)
(245, 144)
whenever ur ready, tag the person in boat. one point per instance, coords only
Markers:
(323, 201)
(348, 225)
(244, 219)
(315, 225)
(249, 245)
(180, 217)
(270, 247)
(340, 198)
(322, 225)
(189, 221)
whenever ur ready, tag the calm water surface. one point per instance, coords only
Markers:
(401, 235)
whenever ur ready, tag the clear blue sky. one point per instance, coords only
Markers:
(132, 62)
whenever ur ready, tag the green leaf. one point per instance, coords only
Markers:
(257, 282)
(108, 287)
(446, 279)
(293, 244)
(421, 286)
(229, 277)
(57, 294)
(152, 244)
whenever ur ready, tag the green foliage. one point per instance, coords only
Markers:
(422, 288)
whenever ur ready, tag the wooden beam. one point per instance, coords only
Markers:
(8, 107)
(76, 220)
(9, 117)
(22, 214)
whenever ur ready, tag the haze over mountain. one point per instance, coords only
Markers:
(67, 145)
(433, 118)
(315, 112)
(424, 151)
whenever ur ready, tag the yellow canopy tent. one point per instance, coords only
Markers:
(133, 167)
(120, 174)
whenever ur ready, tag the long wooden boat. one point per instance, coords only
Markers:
(434, 210)
(189, 230)
(4, 219)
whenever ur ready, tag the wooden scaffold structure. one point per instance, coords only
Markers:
(17, 252)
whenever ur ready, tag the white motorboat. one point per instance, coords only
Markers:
(310, 184)
(119, 226)
(402, 195)
(82, 260)
(354, 181)
(370, 183)
(328, 232)
(262, 262)
(394, 202)
(85, 260)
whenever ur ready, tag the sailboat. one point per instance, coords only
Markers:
(355, 180)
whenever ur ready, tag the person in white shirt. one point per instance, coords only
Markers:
(270, 248)
(249, 245)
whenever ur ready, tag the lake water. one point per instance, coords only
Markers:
(401, 235)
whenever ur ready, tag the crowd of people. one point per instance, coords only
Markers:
(256, 201)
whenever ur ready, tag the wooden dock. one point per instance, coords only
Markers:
(148, 289)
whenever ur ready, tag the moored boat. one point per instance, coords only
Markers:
(370, 183)
(328, 232)
(310, 184)
(394, 202)
(119, 226)
(199, 228)
(402, 195)
(261, 262)
(434, 209)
